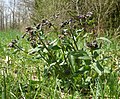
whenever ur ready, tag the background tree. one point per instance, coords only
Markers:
(2, 12)
(15, 14)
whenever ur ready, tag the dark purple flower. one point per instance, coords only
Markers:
(66, 22)
(62, 25)
(50, 24)
(28, 29)
(14, 41)
(38, 26)
(81, 16)
(44, 21)
(11, 45)
(71, 20)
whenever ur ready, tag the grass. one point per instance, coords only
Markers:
(22, 77)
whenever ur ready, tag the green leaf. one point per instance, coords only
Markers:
(87, 62)
(78, 53)
(84, 58)
(106, 70)
(79, 30)
(34, 81)
(34, 50)
(54, 42)
(38, 57)
(95, 54)
(15, 51)
(72, 62)
(55, 47)
(88, 79)
(90, 22)
(81, 70)
(104, 39)
(98, 68)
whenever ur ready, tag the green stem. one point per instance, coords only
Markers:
(43, 57)
(74, 39)
(64, 56)
(49, 52)
(20, 48)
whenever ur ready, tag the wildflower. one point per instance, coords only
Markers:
(14, 41)
(38, 26)
(63, 24)
(29, 29)
(23, 35)
(93, 45)
(61, 36)
(81, 17)
(50, 24)
(44, 21)
(64, 32)
(71, 20)
(12, 44)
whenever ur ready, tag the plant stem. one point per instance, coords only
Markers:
(74, 39)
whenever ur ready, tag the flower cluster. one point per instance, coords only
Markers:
(85, 16)
(12, 44)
